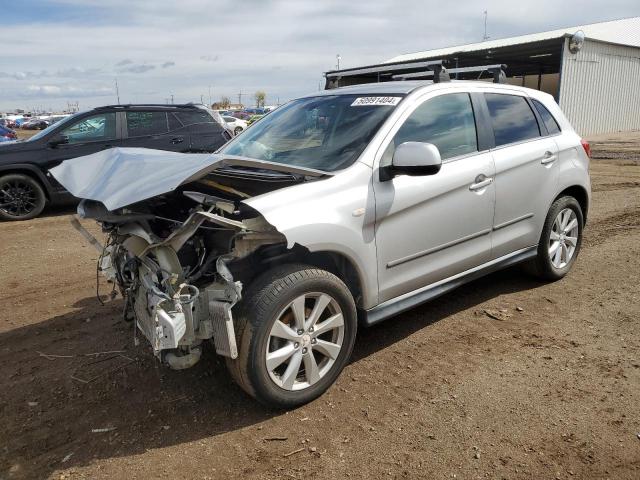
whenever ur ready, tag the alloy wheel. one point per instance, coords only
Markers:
(17, 198)
(563, 238)
(305, 341)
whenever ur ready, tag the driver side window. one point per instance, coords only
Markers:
(446, 121)
(95, 128)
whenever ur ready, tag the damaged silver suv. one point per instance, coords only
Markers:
(343, 208)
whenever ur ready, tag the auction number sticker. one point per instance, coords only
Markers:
(365, 101)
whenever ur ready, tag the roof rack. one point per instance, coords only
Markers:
(435, 70)
(497, 70)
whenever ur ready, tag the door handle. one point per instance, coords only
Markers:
(176, 140)
(480, 182)
(548, 158)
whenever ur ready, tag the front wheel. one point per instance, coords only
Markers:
(296, 329)
(238, 130)
(21, 197)
(560, 240)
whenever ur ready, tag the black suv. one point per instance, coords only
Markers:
(25, 183)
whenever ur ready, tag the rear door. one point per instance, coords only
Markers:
(526, 180)
(151, 129)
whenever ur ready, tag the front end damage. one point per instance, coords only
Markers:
(180, 259)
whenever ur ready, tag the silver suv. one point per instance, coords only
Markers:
(343, 208)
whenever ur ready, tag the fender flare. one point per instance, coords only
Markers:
(35, 171)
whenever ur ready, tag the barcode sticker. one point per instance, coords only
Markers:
(366, 101)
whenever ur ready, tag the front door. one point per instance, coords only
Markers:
(429, 228)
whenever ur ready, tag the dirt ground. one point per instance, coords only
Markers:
(551, 390)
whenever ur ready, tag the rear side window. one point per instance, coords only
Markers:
(146, 123)
(447, 121)
(547, 118)
(193, 117)
(512, 118)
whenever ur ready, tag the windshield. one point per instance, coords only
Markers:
(51, 127)
(325, 133)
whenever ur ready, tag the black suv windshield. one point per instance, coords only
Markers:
(325, 133)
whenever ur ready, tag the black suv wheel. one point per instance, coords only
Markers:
(21, 197)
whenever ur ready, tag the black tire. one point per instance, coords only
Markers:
(264, 300)
(237, 130)
(542, 266)
(21, 197)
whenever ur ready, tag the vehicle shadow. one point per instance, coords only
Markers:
(60, 397)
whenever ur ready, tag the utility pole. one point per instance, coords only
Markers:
(485, 37)
(172, 99)
(210, 103)
(338, 58)
(117, 91)
(240, 97)
(201, 99)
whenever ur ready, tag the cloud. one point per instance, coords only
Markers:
(168, 64)
(124, 62)
(64, 91)
(141, 68)
(209, 58)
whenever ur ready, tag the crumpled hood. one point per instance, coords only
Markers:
(122, 176)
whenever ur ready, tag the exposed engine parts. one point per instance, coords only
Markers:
(179, 267)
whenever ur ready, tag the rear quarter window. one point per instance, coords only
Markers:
(194, 117)
(548, 119)
(512, 118)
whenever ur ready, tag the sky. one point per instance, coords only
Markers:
(57, 51)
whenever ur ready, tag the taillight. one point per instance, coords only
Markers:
(586, 146)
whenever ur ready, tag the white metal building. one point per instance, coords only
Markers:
(598, 86)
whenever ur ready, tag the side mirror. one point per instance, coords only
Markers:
(58, 139)
(413, 158)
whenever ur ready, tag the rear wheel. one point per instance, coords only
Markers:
(296, 329)
(237, 130)
(21, 197)
(560, 240)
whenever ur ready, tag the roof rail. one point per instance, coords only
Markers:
(150, 105)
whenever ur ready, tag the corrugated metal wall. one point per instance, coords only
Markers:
(600, 88)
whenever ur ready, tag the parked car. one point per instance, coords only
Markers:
(235, 124)
(7, 133)
(240, 115)
(35, 124)
(25, 186)
(336, 209)
(253, 119)
(256, 111)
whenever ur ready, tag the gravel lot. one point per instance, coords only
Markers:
(551, 389)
